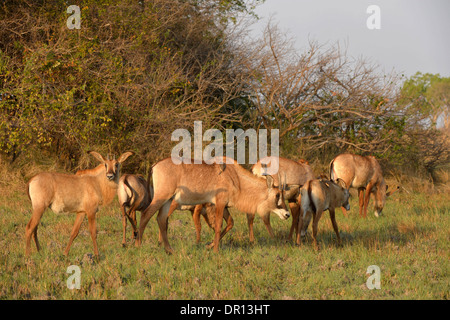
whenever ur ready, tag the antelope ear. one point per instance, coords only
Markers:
(291, 186)
(269, 181)
(263, 169)
(97, 156)
(392, 191)
(124, 156)
(341, 183)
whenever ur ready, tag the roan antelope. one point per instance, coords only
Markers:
(219, 184)
(296, 174)
(318, 196)
(364, 174)
(82, 194)
(134, 194)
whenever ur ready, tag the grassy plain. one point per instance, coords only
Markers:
(410, 244)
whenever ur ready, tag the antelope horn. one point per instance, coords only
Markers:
(280, 186)
(284, 182)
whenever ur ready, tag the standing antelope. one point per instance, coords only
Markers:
(82, 194)
(296, 174)
(364, 174)
(220, 184)
(318, 196)
(133, 192)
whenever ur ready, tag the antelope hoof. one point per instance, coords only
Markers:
(169, 250)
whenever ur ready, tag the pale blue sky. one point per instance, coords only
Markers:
(414, 34)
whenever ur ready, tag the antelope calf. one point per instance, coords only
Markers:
(82, 193)
(295, 174)
(318, 196)
(224, 185)
(364, 174)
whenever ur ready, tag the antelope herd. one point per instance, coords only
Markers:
(207, 190)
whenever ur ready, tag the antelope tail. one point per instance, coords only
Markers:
(331, 170)
(149, 185)
(127, 184)
(133, 197)
(28, 190)
(307, 200)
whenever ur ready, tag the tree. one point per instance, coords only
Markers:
(133, 73)
(424, 102)
(322, 101)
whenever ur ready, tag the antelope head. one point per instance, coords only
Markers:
(277, 195)
(112, 167)
(341, 183)
(381, 194)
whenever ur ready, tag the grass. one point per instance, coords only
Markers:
(410, 244)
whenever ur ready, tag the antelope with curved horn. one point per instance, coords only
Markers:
(295, 174)
(82, 194)
(364, 174)
(226, 184)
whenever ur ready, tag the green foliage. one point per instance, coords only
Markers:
(426, 97)
(138, 70)
(424, 104)
(133, 73)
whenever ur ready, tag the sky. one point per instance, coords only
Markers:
(414, 35)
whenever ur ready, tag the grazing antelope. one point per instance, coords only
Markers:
(318, 196)
(220, 184)
(364, 174)
(296, 174)
(82, 194)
